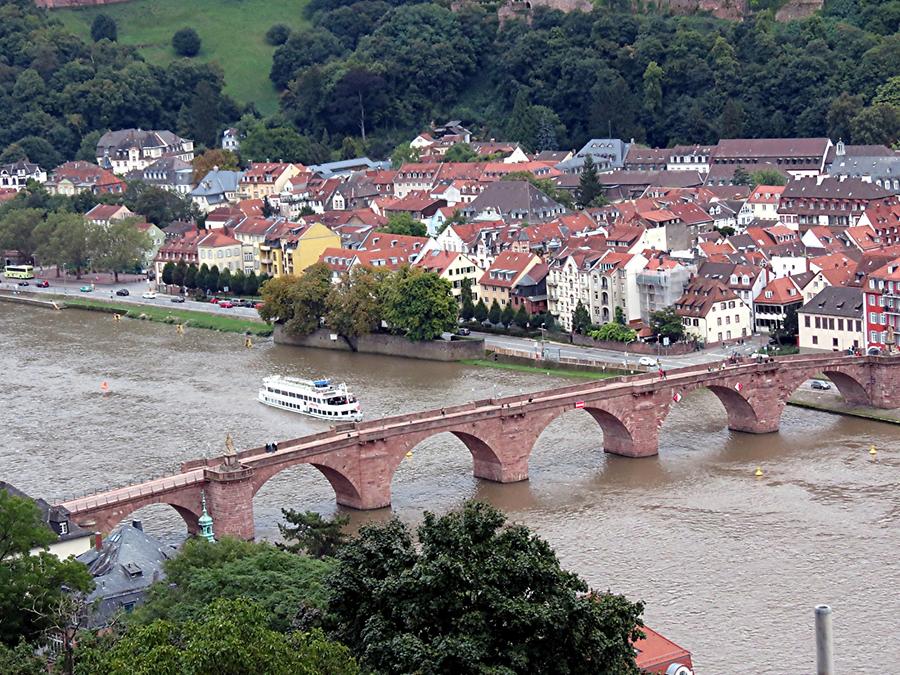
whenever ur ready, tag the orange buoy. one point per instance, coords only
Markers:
(104, 386)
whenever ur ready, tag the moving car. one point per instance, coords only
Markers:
(23, 283)
(258, 305)
(226, 304)
(148, 295)
(178, 298)
(123, 292)
(647, 361)
(215, 301)
(43, 283)
(820, 384)
(86, 289)
(463, 331)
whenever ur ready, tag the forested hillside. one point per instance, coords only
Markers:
(364, 75)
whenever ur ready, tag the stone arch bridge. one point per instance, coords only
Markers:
(359, 460)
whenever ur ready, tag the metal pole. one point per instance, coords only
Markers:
(824, 641)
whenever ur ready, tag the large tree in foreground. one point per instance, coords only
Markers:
(420, 304)
(475, 596)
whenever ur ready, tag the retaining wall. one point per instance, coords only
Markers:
(387, 345)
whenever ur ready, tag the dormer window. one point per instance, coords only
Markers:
(64, 527)
(768, 294)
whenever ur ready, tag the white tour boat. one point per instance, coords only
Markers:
(317, 398)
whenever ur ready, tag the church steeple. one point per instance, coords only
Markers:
(205, 521)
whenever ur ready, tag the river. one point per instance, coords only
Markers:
(730, 566)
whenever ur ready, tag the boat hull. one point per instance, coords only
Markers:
(301, 408)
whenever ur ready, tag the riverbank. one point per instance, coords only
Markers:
(521, 368)
(28, 300)
(834, 404)
(170, 315)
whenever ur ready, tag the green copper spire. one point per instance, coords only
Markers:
(205, 521)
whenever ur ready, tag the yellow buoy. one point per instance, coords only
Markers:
(409, 455)
(758, 473)
(873, 451)
(248, 343)
(179, 329)
(117, 317)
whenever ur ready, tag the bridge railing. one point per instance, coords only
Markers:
(129, 492)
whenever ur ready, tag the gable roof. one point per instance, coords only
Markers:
(836, 301)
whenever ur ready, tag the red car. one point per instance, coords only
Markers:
(43, 283)
(214, 301)
(226, 304)
(258, 305)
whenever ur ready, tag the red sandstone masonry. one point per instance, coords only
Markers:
(359, 460)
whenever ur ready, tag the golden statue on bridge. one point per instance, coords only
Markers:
(231, 460)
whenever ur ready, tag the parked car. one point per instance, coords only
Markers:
(258, 305)
(647, 361)
(43, 283)
(820, 384)
(123, 292)
(178, 298)
(758, 355)
(463, 331)
(226, 304)
(873, 351)
(215, 301)
(86, 289)
(148, 295)
(23, 283)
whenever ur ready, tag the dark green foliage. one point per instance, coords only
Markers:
(310, 533)
(786, 333)
(461, 152)
(521, 317)
(20, 660)
(168, 273)
(481, 311)
(227, 636)
(475, 596)
(507, 315)
(281, 582)
(303, 48)
(419, 304)
(186, 42)
(237, 282)
(403, 223)
(590, 192)
(251, 284)
(666, 323)
(212, 279)
(581, 319)
(495, 313)
(104, 27)
(179, 273)
(278, 34)
(619, 315)
(225, 280)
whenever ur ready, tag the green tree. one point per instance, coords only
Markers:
(666, 323)
(104, 28)
(299, 303)
(589, 188)
(878, 124)
(477, 596)
(65, 240)
(615, 332)
(186, 42)
(21, 660)
(841, 111)
(212, 279)
(231, 636)
(251, 284)
(619, 316)
(404, 154)
(262, 144)
(355, 306)
(467, 306)
(495, 313)
(507, 315)
(521, 318)
(653, 77)
(283, 584)
(581, 319)
(179, 274)
(308, 532)
(460, 152)
(278, 34)
(17, 230)
(168, 273)
(741, 177)
(888, 93)
(420, 304)
(768, 177)
(481, 311)
(202, 277)
(787, 331)
(225, 280)
(190, 276)
(224, 160)
(237, 282)
(404, 223)
(120, 247)
(31, 585)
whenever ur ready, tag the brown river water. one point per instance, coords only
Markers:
(729, 566)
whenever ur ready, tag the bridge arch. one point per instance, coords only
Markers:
(852, 388)
(617, 437)
(345, 488)
(106, 520)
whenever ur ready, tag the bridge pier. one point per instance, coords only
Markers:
(229, 495)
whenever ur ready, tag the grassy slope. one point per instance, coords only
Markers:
(556, 372)
(233, 34)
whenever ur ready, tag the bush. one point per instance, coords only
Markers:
(613, 331)
(104, 28)
(278, 34)
(186, 42)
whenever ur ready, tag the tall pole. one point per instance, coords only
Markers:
(824, 641)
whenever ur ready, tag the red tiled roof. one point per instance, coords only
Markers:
(656, 653)
(218, 238)
(781, 291)
(700, 296)
(512, 263)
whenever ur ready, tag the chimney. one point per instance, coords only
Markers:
(98, 541)
(138, 525)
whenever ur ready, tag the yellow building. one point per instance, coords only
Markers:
(503, 275)
(454, 267)
(219, 248)
(294, 247)
(263, 179)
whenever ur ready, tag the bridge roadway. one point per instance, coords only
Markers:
(359, 459)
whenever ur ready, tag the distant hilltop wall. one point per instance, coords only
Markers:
(57, 4)
(734, 10)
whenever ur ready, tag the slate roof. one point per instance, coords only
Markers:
(833, 188)
(218, 183)
(50, 515)
(836, 301)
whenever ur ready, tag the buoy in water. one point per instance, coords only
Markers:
(409, 455)
(104, 386)
(873, 451)
(117, 317)
(248, 343)
(758, 473)
(179, 329)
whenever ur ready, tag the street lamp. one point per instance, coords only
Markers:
(626, 352)
(543, 330)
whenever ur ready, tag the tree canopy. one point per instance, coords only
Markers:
(476, 595)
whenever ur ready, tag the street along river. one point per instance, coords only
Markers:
(729, 565)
